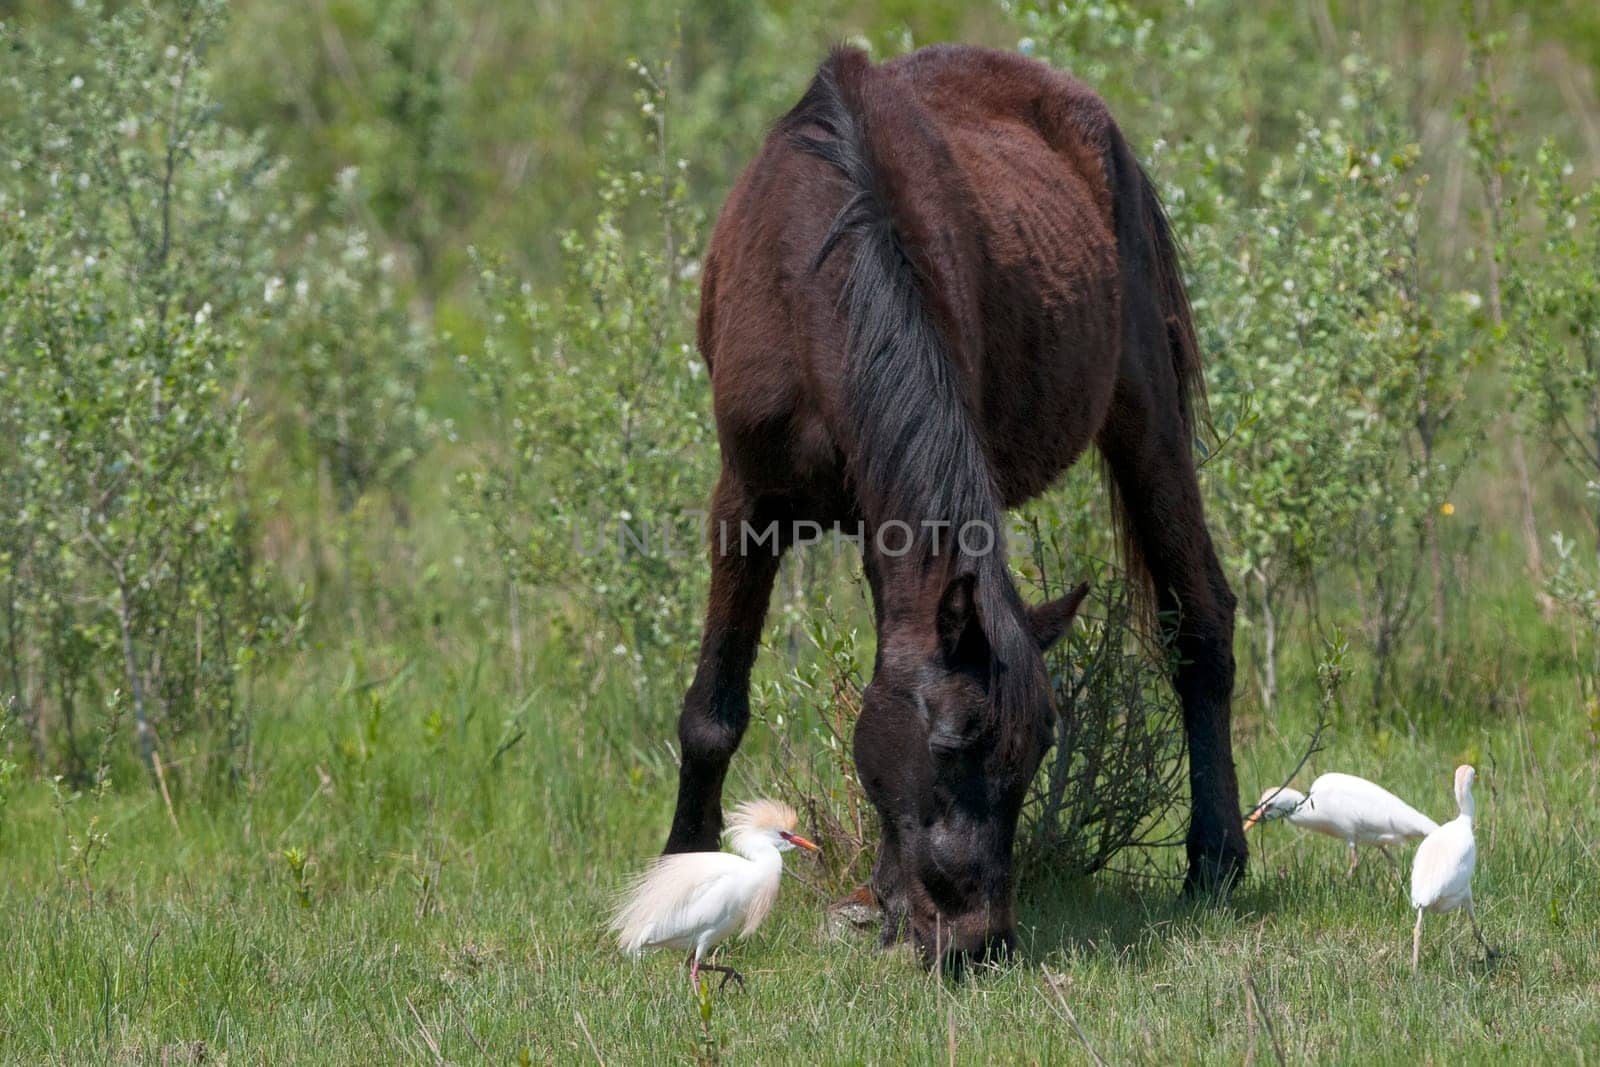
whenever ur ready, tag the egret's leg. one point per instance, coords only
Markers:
(1355, 858)
(694, 972)
(1416, 942)
(1394, 863)
(1477, 931)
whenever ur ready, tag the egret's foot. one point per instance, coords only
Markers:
(728, 974)
(1489, 954)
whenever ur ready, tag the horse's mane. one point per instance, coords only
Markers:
(915, 454)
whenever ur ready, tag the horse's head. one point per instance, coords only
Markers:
(947, 760)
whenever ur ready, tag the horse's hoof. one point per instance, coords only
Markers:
(1215, 876)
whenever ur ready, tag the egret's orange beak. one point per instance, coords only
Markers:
(1253, 818)
(799, 842)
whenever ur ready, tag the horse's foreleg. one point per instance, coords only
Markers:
(717, 706)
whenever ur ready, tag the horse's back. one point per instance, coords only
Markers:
(1010, 215)
(1034, 147)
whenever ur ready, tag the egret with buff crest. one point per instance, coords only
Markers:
(692, 901)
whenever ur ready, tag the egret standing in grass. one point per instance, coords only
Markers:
(692, 901)
(1354, 810)
(1441, 873)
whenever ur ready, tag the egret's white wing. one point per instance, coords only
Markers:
(681, 896)
(1441, 872)
(1365, 810)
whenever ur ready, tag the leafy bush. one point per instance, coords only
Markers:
(1117, 770)
(1555, 373)
(159, 294)
(810, 713)
(598, 458)
(127, 248)
(1338, 374)
(340, 373)
(1556, 301)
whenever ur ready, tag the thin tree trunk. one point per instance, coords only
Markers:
(26, 713)
(1494, 187)
(67, 697)
(1519, 451)
(130, 667)
(1267, 670)
(1436, 575)
(514, 616)
(1530, 527)
(1380, 664)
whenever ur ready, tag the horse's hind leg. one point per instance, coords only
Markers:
(744, 561)
(1147, 448)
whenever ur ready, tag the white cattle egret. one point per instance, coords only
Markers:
(1441, 873)
(1354, 810)
(693, 900)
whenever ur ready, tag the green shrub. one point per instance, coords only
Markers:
(128, 251)
(598, 458)
(161, 299)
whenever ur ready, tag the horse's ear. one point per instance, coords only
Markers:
(961, 638)
(1049, 621)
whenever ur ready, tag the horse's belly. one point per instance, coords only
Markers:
(1050, 314)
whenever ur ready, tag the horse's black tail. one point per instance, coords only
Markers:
(916, 455)
(1181, 338)
(1150, 251)
(1146, 241)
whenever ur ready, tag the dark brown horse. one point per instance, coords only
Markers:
(939, 282)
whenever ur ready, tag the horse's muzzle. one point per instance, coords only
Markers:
(966, 942)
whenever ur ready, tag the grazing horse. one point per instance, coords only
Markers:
(941, 279)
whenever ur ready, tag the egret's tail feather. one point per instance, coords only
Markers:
(654, 900)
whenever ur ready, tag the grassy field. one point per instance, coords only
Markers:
(339, 415)
(451, 901)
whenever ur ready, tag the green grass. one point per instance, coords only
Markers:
(456, 903)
